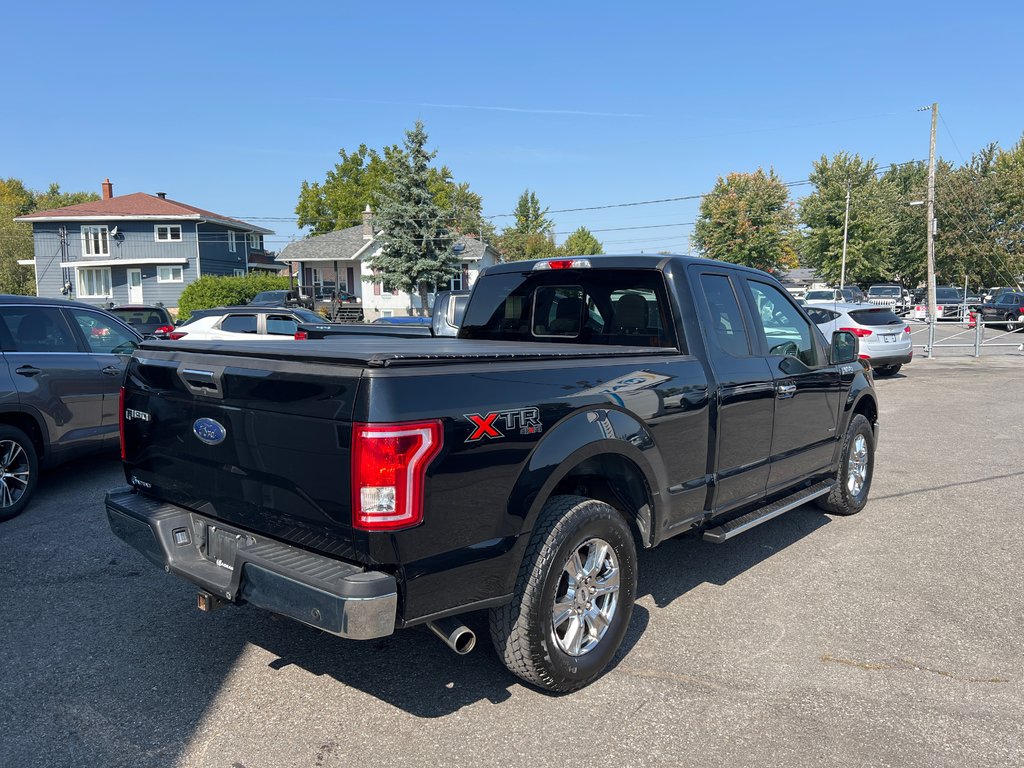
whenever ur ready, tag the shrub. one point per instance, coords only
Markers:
(224, 291)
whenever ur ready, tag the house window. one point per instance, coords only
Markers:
(460, 280)
(231, 240)
(169, 275)
(95, 241)
(94, 283)
(239, 273)
(254, 242)
(167, 233)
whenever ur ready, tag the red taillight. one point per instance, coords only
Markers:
(858, 332)
(164, 329)
(563, 264)
(177, 335)
(907, 329)
(301, 335)
(389, 463)
(120, 420)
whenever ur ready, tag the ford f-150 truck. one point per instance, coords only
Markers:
(589, 407)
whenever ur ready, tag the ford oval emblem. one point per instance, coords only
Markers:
(209, 431)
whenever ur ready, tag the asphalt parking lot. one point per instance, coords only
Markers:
(892, 638)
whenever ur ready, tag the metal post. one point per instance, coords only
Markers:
(979, 333)
(931, 218)
(931, 338)
(846, 229)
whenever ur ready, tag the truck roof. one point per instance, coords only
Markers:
(617, 260)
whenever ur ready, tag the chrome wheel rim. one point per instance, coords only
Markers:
(857, 465)
(586, 598)
(14, 472)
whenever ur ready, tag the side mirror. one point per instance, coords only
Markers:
(845, 348)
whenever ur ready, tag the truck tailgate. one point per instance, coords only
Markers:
(260, 443)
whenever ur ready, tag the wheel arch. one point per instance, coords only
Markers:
(605, 454)
(31, 426)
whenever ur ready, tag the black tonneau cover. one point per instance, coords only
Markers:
(380, 352)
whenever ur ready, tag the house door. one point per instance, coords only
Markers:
(134, 286)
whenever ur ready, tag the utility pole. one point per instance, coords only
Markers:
(931, 218)
(846, 229)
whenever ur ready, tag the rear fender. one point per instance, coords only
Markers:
(607, 450)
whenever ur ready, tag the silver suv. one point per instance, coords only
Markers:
(60, 383)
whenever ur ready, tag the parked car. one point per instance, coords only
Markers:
(446, 317)
(246, 323)
(1007, 309)
(853, 294)
(884, 338)
(150, 320)
(889, 295)
(949, 304)
(60, 383)
(293, 298)
(824, 294)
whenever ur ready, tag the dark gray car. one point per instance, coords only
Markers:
(60, 382)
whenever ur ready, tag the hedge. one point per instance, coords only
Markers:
(225, 291)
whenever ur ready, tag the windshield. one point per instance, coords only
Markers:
(884, 290)
(271, 296)
(820, 295)
(142, 316)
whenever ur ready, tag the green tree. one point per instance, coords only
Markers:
(872, 206)
(16, 237)
(532, 235)
(417, 242)
(226, 291)
(581, 243)
(746, 219)
(908, 246)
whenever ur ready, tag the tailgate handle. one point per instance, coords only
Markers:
(201, 382)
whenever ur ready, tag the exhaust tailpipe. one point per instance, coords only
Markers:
(454, 634)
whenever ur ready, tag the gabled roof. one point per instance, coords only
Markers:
(348, 244)
(138, 205)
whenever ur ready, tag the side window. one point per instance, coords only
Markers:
(783, 328)
(724, 313)
(281, 325)
(239, 324)
(557, 311)
(820, 315)
(38, 329)
(102, 334)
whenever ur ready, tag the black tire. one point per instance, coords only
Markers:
(19, 471)
(524, 632)
(889, 370)
(846, 498)
(1012, 324)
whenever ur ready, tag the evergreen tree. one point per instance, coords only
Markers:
(746, 219)
(581, 243)
(532, 236)
(416, 252)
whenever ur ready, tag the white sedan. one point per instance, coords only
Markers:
(243, 324)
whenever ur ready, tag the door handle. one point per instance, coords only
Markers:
(28, 370)
(112, 370)
(785, 390)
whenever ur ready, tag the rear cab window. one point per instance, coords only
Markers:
(620, 307)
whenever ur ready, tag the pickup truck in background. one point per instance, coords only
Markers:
(446, 315)
(589, 407)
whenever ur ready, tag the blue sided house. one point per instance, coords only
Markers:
(138, 249)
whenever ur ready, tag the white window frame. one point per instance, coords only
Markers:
(232, 244)
(254, 241)
(88, 231)
(169, 271)
(239, 273)
(171, 228)
(80, 277)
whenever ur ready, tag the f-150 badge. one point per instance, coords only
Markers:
(525, 421)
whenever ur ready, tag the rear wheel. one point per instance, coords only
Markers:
(19, 471)
(1012, 323)
(573, 598)
(856, 466)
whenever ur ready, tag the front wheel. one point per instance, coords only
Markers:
(856, 466)
(573, 598)
(19, 471)
(1012, 324)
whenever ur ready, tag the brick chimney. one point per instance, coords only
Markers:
(108, 189)
(367, 223)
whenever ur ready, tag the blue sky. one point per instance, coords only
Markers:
(230, 106)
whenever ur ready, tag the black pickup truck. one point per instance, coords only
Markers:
(589, 407)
